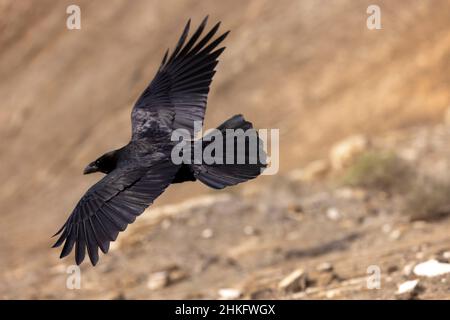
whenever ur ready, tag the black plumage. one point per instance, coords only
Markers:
(139, 172)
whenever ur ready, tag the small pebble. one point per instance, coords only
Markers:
(207, 233)
(333, 214)
(229, 293)
(158, 280)
(249, 231)
(407, 287)
(431, 268)
(325, 267)
(296, 281)
(395, 235)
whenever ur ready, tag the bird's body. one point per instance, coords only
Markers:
(139, 172)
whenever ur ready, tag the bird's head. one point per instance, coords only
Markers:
(106, 163)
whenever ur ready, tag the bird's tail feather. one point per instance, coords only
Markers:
(245, 161)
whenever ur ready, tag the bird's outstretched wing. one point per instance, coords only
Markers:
(178, 94)
(110, 205)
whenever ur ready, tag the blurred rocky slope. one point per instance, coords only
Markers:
(310, 68)
(309, 233)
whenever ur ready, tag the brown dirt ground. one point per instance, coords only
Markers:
(310, 68)
(258, 234)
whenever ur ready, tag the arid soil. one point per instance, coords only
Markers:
(249, 240)
(310, 68)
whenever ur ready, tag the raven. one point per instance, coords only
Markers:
(139, 172)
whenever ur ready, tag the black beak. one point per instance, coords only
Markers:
(90, 169)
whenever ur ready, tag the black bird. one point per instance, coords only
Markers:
(139, 172)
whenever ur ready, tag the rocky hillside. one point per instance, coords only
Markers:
(310, 68)
(319, 232)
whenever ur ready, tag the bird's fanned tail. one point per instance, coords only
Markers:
(246, 145)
